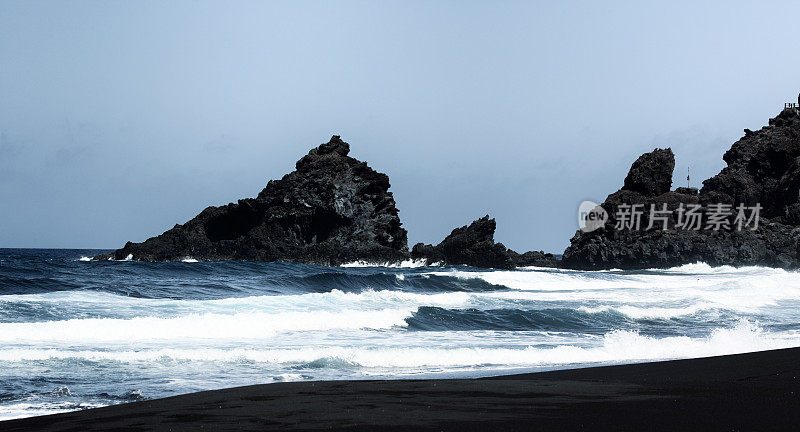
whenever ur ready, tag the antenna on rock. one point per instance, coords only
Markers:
(687, 177)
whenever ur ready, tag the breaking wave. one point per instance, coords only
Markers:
(105, 328)
(614, 347)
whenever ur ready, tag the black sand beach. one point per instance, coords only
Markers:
(754, 391)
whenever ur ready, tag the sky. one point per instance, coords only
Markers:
(120, 119)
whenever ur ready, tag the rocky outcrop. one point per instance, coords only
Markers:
(533, 259)
(332, 209)
(474, 245)
(763, 169)
(651, 174)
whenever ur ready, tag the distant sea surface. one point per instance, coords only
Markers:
(77, 334)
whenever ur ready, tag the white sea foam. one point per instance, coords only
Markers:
(199, 326)
(737, 289)
(614, 347)
(691, 275)
(333, 301)
(84, 258)
(189, 259)
(288, 377)
(664, 296)
(702, 268)
(338, 334)
(15, 410)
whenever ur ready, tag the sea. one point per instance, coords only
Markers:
(77, 334)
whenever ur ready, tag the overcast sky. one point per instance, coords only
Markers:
(120, 119)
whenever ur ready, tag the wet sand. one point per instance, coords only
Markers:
(754, 391)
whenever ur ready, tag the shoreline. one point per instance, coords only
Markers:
(752, 391)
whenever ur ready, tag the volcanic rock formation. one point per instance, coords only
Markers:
(474, 245)
(333, 209)
(763, 169)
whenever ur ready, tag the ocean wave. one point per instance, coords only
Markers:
(555, 319)
(178, 327)
(743, 296)
(199, 326)
(100, 302)
(651, 312)
(702, 268)
(691, 275)
(614, 347)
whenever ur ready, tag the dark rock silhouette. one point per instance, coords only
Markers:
(686, 191)
(651, 174)
(763, 168)
(333, 209)
(533, 259)
(474, 245)
(471, 244)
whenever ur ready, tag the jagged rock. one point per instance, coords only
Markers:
(333, 209)
(651, 174)
(471, 244)
(763, 168)
(533, 259)
(474, 245)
